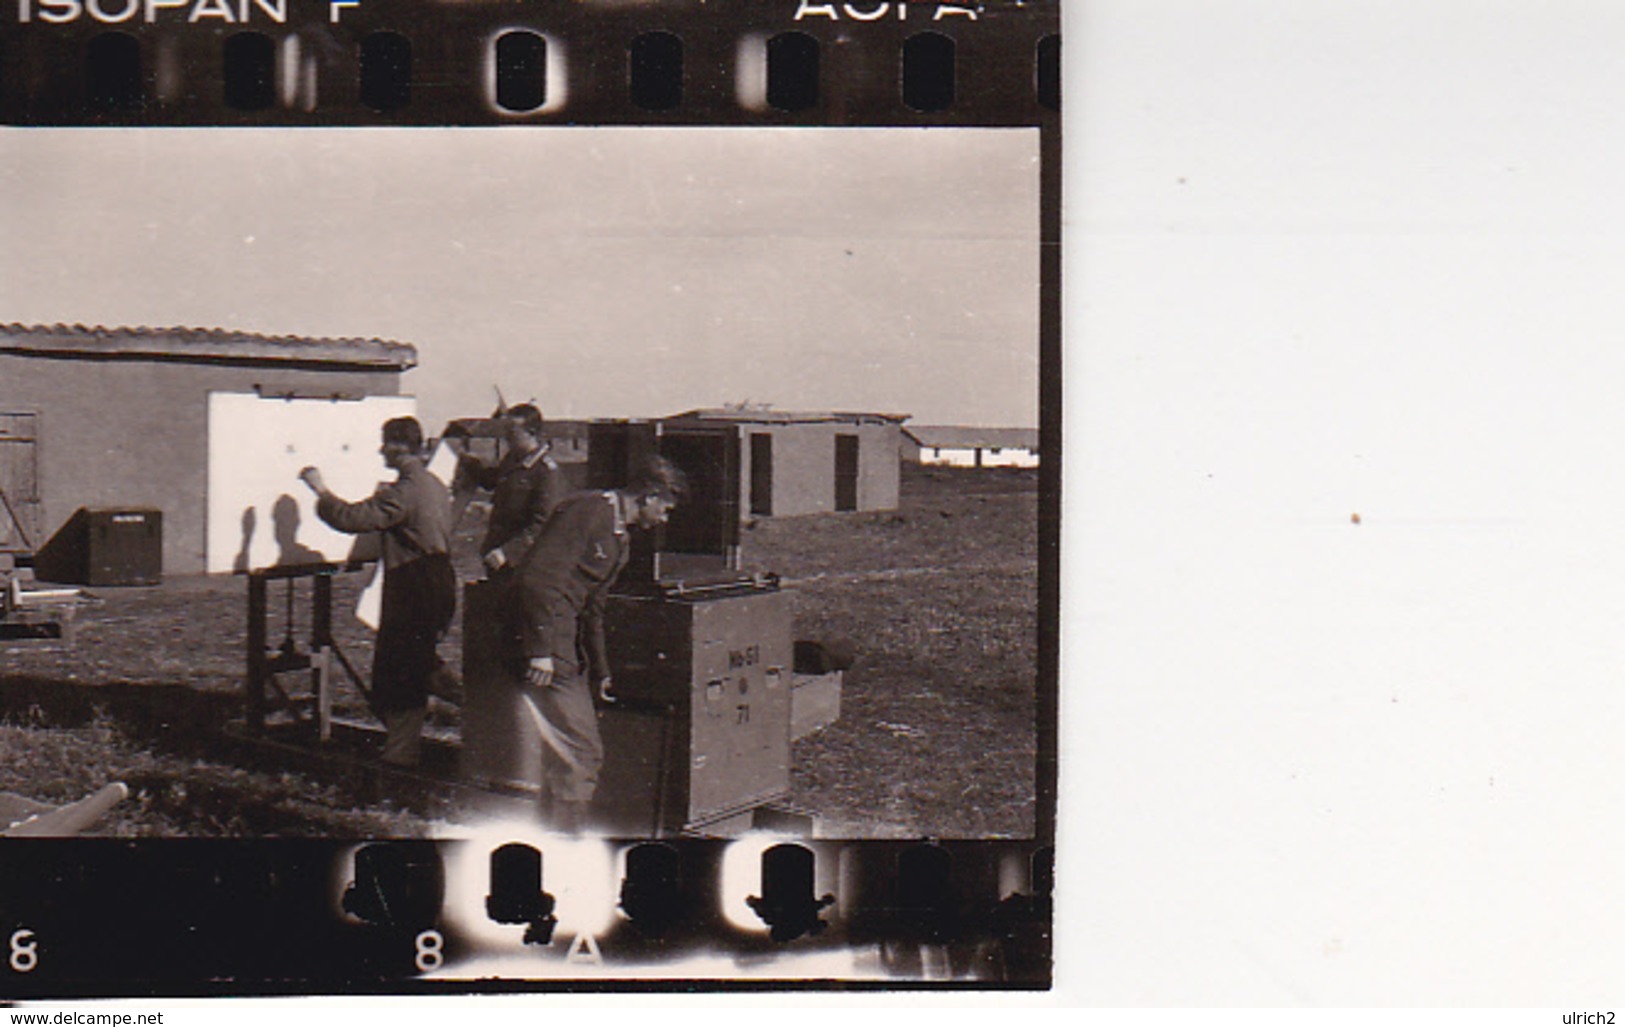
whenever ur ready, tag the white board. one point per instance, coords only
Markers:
(259, 513)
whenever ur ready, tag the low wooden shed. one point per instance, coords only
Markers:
(801, 463)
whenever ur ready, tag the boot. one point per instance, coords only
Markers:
(403, 744)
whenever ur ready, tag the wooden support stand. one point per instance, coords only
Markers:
(318, 657)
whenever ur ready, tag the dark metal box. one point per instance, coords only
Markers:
(106, 547)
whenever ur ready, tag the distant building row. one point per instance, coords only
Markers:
(970, 447)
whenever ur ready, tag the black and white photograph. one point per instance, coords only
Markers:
(556, 549)
(512, 505)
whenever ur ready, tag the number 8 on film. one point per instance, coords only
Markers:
(24, 951)
(429, 954)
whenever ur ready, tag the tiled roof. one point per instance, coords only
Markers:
(214, 345)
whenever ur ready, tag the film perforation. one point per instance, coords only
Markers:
(1048, 72)
(793, 64)
(248, 68)
(113, 74)
(655, 71)
(928, 72)
(385, 65)
(521, 71)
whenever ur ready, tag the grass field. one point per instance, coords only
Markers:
(940, 599)
(936, 735)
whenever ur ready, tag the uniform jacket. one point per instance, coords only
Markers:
(413, 512)
(524, 491)
(566, 578)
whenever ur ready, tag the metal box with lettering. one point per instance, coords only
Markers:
(699, 731)
(718, 668)
(106, 547)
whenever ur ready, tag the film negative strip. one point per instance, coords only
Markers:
(278, 917)
(791, 717)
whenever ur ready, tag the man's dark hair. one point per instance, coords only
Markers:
(657, 476)
(528, 417)
(405, 431)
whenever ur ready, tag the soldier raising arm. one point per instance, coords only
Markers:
(420, 589)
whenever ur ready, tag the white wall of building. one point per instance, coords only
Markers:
(967, 457)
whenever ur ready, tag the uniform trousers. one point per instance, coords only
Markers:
(419, 600)
(572, 758)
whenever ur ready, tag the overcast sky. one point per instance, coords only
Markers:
(604, 272)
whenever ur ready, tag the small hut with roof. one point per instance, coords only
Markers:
(119, 417)
(808, 462)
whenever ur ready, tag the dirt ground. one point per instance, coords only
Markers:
(936, 736)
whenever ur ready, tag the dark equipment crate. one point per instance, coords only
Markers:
(105, 547)
(717, 667)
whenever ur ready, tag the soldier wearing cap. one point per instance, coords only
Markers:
(525, 486)
(413, 513)
(564, 582)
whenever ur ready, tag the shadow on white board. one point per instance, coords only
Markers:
(260, 515)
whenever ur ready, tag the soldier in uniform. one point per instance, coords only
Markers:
(413, 512)
(525, 486)
(563, 584)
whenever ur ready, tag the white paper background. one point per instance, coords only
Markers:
(256, 450)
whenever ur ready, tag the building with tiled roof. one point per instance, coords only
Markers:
(204, 345)
(108, 418)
